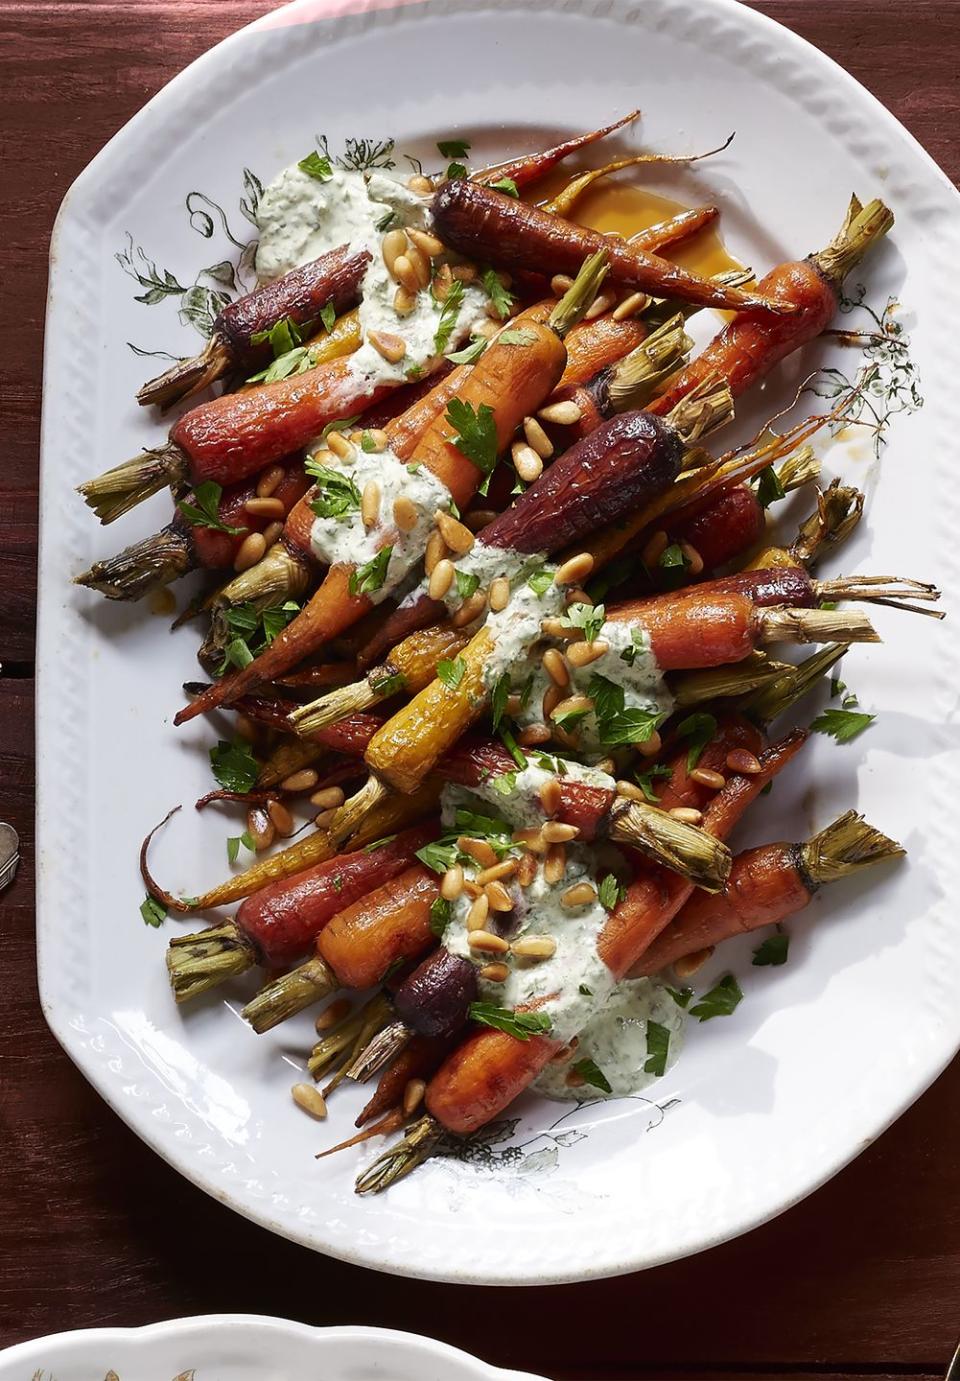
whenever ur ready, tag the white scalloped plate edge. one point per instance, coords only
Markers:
(873, 134)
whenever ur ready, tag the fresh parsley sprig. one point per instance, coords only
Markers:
(842, 725)
(205, 509)
(475, 435)
(371, 576)
(521, 1025)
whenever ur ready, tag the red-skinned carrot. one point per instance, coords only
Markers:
(279, 923)
(766, 885)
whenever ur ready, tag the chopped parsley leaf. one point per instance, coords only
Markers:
(591, 1073)
(448, 317)
(316, 165)
(370, 577)
(328, 316)
(205, 509)
(336, 494)
(455, 171)
(388, 684)
(588, 617)
(773, 951)
(658, 1047)
(505, 185)
(699, 729)
(470, 353)
(441, 911)
(645, 780)
(720, 1001)
(615, 722)
(451, 673)
(453, 148)
(769, 488)
(518, 336)
(842, 725)
(540, 581)
(681, 996)
(283, 336)
(234, 842)
(499, 697)
(475, 434)
(467, 583)
(234, 765)
(154, 913)
(521, 1025)
(501, 298)
(610, 891)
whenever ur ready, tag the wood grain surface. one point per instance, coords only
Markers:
(861, 1279)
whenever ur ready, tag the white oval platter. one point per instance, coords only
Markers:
(824, 1052)
(242, 1347)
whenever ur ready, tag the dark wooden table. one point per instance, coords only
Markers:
(862, 1279)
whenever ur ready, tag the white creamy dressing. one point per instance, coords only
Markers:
(344, 539)
(573, 987)
(515, 631)
(301, 217)
(616, 1041)
(486, 564)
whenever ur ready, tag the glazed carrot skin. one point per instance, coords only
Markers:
(283, 919)
(528, 168)
(765, 886)
(490, 1069)
(237, 434)
(733, 522)
(216, 550)
(501, 230)
(747, 348)
(364, 940)
(511, 378)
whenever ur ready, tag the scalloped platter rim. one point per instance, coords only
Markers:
(824, 1052)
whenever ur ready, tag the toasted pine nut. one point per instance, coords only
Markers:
(550, 796)
(406, 274)
(421, 265)
(495, 973)
(283, 821)
(333, 1014)
(421, 185)
(555, 864)
(324, 819)
(654, 549)
(404, 513)
(394, 244)
(442, 283)
(310, 1099)
(471, 890)
(465, 273)
(404, 301)
(551, 699)
(478, 518)
(574, 1079)
(692, 557)
(514, 704)
(526, 462)
(556, 668)
(531, 838)
(742, 760)
(574, 595)
(600, 304)
(413, 1095)
(580, 894)
(370, 504)
(390, 347)
(457, 537)
(499, 595)
(651, 746)
(498, 897)
(374, 440)
(526, 869)
(706, 777)
(260, 828)
(582, 654)
(339, 445)
(537, 438)
(304, 780)
(487, 329)
(556, 628)
(272, 534)
(687, 815)
(478, 913)
(606, 765)
(506, 869)
(435, 551)
(250, 551)
(441, 578)
(487, 942)
(630, 306)
(630, 791)
(686, 966)
(574, 704)
(430, 245)
(478, 849)
(246, 729)
(564, 413)
(574, 570)
(330, 798)
(533, 735)
(451, 884)
(470, 609)
(560, 283)
(534, 947)
(556, 832)
(269, 480)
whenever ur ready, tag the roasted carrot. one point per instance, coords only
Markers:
(281, 921)
(417, 1061)
(766, 885)
(531, 167)
(498, 229)
(299, 296)
(508, 382)
(748, 348)
(491, 1068)
(357, 948)
(187, 544)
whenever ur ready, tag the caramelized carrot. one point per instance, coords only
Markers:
(363, 941)
(418, 1060)
(498, 229)
(766, 885)
(491, 1068)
